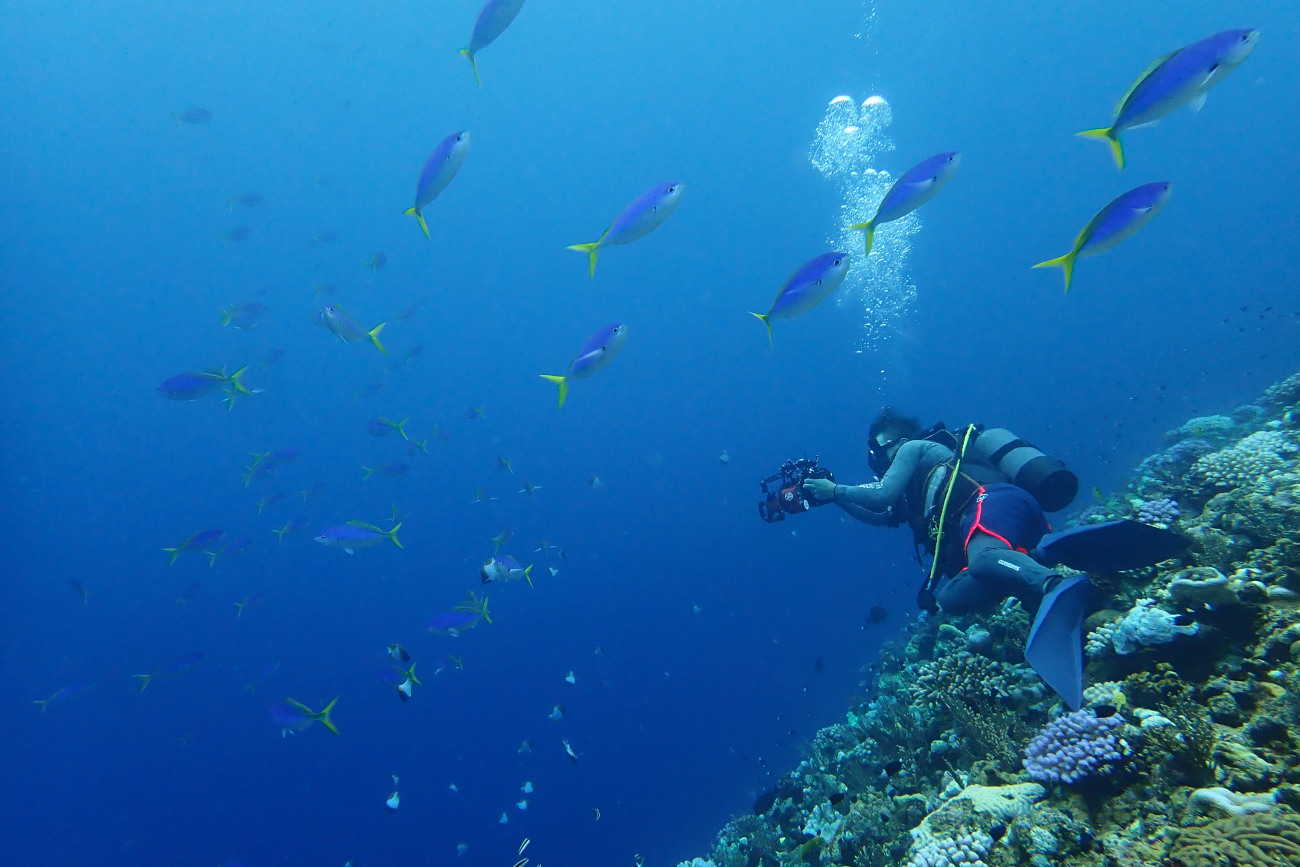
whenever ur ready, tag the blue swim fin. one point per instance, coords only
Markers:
(1055, 645)
(1109, 547)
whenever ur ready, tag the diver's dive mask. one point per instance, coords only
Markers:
(880, 451)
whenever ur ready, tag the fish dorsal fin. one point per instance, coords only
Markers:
(1198, 101)
(1156, 64)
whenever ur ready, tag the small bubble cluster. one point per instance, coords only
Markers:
(849, 141)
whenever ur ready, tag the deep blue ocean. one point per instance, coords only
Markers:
(706, 647)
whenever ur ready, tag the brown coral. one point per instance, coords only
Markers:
(1251, 840)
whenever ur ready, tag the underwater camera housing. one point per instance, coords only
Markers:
(787, 498)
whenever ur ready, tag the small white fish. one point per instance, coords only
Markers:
(393, 802)
(504, 820)
(522, 805)
(461, 848)
(556, 714)
(527, 789)
(569, 678)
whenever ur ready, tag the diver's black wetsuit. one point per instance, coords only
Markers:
(985, 556)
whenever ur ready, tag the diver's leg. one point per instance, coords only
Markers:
(1012, 573)
(993, 573)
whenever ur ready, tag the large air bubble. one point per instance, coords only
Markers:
(848, 145)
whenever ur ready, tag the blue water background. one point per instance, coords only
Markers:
(115, 270)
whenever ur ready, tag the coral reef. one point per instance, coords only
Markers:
(1187, 752)
(1076, 746)
(1249, 840)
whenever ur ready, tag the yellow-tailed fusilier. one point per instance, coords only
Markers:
(1115, 222)
(492, 21)
(637, 220)
(913, 189)
(598, 351)
(439, 169)
(807, 287)
(1180, 77)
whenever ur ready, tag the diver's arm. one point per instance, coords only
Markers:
(877, 497)
(866, 516)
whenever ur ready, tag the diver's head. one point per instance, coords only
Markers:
(889, 431)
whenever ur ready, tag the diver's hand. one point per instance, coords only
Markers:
(821, 490)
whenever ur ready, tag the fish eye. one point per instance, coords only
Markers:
(837, 261)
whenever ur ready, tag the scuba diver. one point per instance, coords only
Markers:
(975, 500)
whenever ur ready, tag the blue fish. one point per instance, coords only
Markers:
(197, 542)
(914, 188)
(356, 534)
(807, 287)
(293, 716)
(339, 321)
(66, 692)
(463, 616)
(598, 351)
(505, 568)
(1115, 222)
(381, 427)
(1180, 77)
(388, 471)
(439, 169)
(185, 663)
(637, 220)
(492, 21)
(238, 546)
(263, 677)
(195, 384)
(453, 623)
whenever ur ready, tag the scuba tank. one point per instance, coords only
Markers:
(1049, 480)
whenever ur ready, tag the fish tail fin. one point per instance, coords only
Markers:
(369, 473)
(422, 445)
(227, 316)
(174, 553)
(43, 702)
(237, 383)
(472, 65)
(144, 680)
(484, 611)
(411, 674)
(1065, 263)
(1111, 138)
(401, 429)
(324, 716)
(591, 250)
(392, 534)
(373, 334)
(868, 229)
(767, 321)
(560, 381)
(212, 557)
(528, 574)
(420, 217)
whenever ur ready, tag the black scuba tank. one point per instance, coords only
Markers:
(1049, 480)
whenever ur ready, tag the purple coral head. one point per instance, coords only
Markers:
(1162, 511)
(1076, 746)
